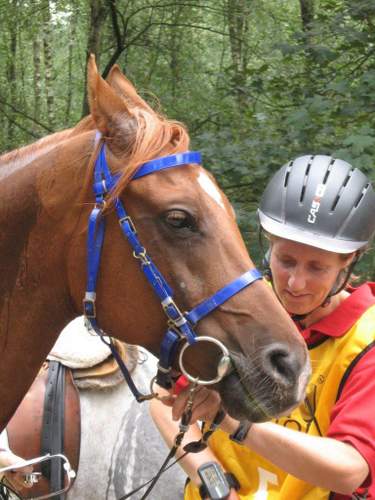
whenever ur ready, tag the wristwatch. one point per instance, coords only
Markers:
(241, 432)
(216, 484)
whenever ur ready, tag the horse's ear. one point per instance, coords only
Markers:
(123, 87)
(104, 102)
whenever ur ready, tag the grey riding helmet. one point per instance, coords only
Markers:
(320, 201)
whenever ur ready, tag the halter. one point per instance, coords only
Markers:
(180, 325)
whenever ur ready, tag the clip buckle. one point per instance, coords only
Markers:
(128, 219)
(89, 308)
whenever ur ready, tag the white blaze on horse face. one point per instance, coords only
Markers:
(211, 189)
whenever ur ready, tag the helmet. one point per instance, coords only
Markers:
(320, 201)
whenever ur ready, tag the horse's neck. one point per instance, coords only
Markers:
(39, 211)
(14, 160)
(21, 157)
(36, 219)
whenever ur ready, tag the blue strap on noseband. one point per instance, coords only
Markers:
(223, 295)
(181, 325)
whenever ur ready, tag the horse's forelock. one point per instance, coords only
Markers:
(151, 135)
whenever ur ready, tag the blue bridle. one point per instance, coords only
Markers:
(180, 325)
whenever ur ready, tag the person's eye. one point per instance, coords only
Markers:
(286, 263)
(317, 269)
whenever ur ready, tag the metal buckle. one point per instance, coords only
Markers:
(34, 477)
(130, 222)
(175, 322)
(100, 204)
(142, 256)
(93, 308)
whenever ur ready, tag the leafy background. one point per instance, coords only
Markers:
(256, 82)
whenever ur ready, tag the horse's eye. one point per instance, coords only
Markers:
(178, 219)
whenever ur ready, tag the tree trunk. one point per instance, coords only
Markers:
(238, 13)
(311, 65)
(73, 29)
(12, 73)
(98, 13)
(175, 42)
(37, 77)
(48, 62)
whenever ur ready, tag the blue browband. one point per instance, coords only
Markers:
(181, 324)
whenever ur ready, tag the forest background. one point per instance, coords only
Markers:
(256, 82)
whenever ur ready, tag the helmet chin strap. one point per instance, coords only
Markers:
(337, 288)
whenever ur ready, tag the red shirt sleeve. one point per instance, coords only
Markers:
(353, 416)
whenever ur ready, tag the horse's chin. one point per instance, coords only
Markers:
(258, 400)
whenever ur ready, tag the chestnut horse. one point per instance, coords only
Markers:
(182, 218)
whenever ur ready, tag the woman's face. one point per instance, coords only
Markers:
(303, 275)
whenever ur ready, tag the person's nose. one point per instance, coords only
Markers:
(296, 280)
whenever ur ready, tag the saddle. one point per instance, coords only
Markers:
(48, 419)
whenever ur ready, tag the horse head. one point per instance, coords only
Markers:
(189, 229)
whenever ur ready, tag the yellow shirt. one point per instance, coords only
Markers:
(259, 478)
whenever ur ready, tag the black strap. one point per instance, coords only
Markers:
(52, 439)
(241, 432)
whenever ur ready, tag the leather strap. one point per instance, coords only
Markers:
(52, 439)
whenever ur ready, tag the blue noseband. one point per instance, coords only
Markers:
(180, 324)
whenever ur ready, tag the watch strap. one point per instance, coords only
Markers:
(241, 432)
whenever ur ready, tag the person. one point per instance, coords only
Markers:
(317, 215)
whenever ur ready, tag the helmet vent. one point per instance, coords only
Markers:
(287, 172)
(308, 166)
(350, 173)
(334, 204)
(361, 195)
(347, 178)
(328, 171)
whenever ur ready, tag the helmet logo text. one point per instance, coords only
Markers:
(315, 205)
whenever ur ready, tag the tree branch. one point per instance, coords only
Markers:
(19, 126)
(25, 115)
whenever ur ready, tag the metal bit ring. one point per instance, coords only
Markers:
(223, 366)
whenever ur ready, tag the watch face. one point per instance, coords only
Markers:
(214, 480)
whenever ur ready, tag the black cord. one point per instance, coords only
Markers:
(127, 495)
(192, 447)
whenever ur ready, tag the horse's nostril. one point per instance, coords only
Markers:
(281, 364)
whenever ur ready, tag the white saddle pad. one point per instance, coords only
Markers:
(77, 348)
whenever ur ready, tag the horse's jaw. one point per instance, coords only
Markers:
(248, 393)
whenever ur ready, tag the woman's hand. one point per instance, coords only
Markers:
(206, 404)
(15, 478)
